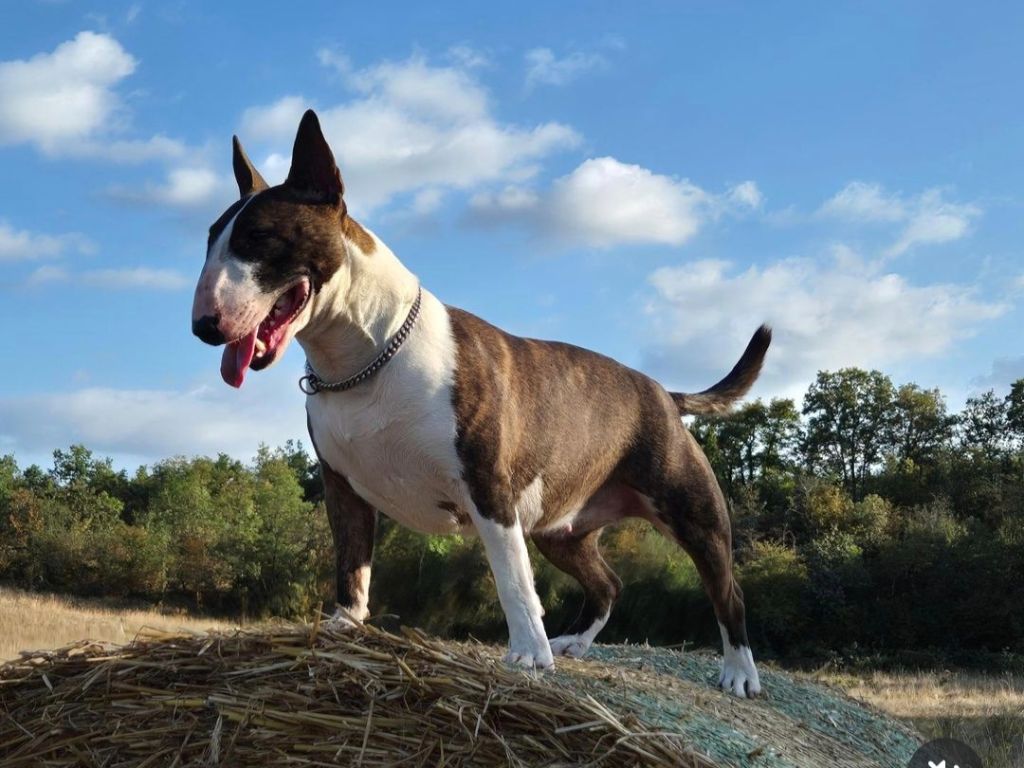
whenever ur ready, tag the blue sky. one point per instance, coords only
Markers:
(651, 184)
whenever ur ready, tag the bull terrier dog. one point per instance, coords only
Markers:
(447, 424)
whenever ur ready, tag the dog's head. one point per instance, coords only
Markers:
(270, 254)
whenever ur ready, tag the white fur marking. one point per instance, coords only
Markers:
(510, 562)
(361, 610)
(577, 645)
(739, 675)
(227, 286)
(529, 508)
(393, 437)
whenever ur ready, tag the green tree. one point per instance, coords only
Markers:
(1015, 413)
(983, 424)
(920, 425)
(849, 413)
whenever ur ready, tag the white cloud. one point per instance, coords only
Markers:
(62, 95)
(934, 221)
(411, 126)
(65, 102)
(48, 274)
(860, 201)
(604, 203)
(826, 313)
(192, 187)
(745, 195)
(925, 219)
(20, 244)
(544, 68)
(146, 425)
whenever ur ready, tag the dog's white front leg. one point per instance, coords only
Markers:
(510, 562)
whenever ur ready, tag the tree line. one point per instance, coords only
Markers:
(871, 521)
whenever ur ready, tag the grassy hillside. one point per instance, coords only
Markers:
(33, 621)
(985, 711)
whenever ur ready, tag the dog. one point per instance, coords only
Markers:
(446, 424)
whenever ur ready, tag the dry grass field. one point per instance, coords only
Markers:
(985, 711)
(31, 621)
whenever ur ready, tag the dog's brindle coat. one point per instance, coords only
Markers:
(469, 429)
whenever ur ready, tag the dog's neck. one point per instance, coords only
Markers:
(355, 314)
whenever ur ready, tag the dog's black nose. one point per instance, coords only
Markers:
(206, 329)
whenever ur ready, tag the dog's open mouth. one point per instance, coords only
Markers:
(260, 348)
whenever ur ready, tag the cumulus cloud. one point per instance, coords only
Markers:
(65, 102)
(543, 67)
(827, 313)
(410, 126)
(21, 244)
(605, 202)
(924, 219)
(65, 94)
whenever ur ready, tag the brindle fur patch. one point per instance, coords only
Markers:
(592, 429)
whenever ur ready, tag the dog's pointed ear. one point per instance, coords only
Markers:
(313, 170)
(248, 178)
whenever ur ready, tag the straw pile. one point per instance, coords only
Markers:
(308, 695)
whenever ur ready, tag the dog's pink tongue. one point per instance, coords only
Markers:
(237, 356)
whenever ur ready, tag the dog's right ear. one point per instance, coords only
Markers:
(314, 172)
(248, 178)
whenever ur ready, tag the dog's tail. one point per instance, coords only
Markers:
(719, 398)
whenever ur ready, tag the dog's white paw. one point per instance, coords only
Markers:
(341, 620)
(525, 657)
(573, 646)
(739, 675)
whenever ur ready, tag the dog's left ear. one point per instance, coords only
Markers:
(313, 170)
(248, 178)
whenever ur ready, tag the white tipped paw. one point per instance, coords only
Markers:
(572, 646)
(739, 675)
(341, 619)
(530, 658)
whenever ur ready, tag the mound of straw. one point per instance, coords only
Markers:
(307, 695)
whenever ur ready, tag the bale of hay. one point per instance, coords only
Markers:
(309, 695)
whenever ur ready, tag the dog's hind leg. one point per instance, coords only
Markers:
(692, 511)
(580, 557)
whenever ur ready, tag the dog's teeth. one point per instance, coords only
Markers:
(261, 346)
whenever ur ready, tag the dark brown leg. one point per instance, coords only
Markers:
(353, 525)
(694, 513)
(581, 558)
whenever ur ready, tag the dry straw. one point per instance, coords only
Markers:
(304, 696)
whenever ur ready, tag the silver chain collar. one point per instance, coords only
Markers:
(311, 383)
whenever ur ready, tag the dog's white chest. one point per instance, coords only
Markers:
(393, 437)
